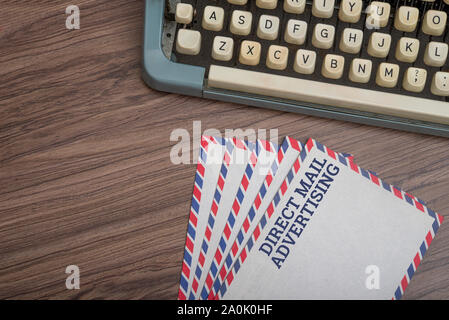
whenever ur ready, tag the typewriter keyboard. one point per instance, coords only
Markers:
(385, 57)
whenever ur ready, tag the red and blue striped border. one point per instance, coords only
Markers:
(235, 210)
(226, 268)
(262, 223)
(398, 193)
(230, 146)
(194, 211)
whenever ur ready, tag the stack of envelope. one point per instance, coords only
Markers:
(298, 222)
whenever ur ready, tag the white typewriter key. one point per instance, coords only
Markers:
(387, 75)
(305, 61)
(440, 84)
(333, 66)
(188, 42)
(377, 14)
(268, 28)
(414, 79)
(238, 2)
(323, 36)
(406, 18)
(351, 40)
(250, 53)
(277, 57)
(350, 10)
(434, 22)
(407, 49)
(323, 8)
(241, 22)
(360, 70)
(294, 6)
(184, 13)
(379, 44)
(213, 18)
(222, 48)
(267, 4)
(296, 32)
(435, 54)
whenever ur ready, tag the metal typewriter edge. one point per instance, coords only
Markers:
(159, 72)
(164, 75)
(329, 112)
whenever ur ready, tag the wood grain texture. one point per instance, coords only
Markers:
(85, 173)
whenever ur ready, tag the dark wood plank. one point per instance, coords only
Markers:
(85, 175)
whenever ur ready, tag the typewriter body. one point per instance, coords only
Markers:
(373, 62)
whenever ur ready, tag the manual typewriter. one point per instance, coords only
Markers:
(374, 62)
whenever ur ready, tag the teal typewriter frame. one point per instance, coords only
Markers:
(163, 74)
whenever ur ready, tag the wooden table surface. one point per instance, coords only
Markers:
(86, 177)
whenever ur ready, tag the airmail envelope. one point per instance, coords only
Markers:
(337, 232)
(266, 184)
(236, 156)
(206, 176)
(253, 206)
(287, 154)
(233, 212)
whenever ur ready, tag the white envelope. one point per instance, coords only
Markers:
(234, 212)
(257, 204)
(287, 154)
(338, 232)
